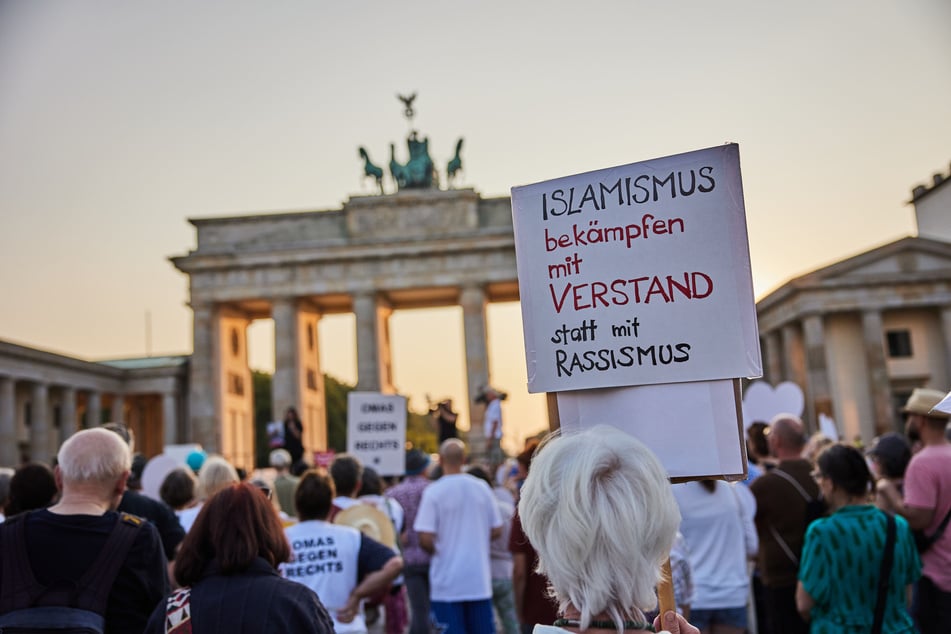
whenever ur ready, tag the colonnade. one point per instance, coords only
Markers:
(220, 363)
(46, 397)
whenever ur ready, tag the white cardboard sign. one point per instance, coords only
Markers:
(637, 274)
(376, 431)
(694, 429)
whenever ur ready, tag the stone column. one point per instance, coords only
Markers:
(93, 410)
(169, 419)
(774, 357)
(285, 384)
(793, 364)
(118, 409)
(818, 393)
(946, 332)
(9, 456)
(67, 423)
(203, 392)
(374, 370)
(473, 302)
(40, 424)
(873, 335)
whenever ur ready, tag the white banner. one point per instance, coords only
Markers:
(376, 431)
(638, 274)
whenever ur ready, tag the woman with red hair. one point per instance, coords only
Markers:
(227, 567)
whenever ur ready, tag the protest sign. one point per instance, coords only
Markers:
(638, 274)
(376, 431)
(694, 429)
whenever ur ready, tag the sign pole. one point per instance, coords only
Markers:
(665, 589)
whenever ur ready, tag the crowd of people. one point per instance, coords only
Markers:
(568, 536)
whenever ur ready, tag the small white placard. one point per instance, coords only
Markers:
(376, 431)
(638, 274)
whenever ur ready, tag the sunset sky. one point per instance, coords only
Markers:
(119, 121)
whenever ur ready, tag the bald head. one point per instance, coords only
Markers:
(786, 436)
(452, 455)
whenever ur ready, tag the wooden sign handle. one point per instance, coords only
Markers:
(665, 589)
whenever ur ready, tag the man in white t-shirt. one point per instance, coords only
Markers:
(492, 423)
(457, 519)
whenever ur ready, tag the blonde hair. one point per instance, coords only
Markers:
(598, 508)
(215, 474)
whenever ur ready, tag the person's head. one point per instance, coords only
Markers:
(370, 482)
(524, 459)
(452, 456)
(347, 472)
(291, 414)
(416, 462)
(280, 459)
(786, 437)
(756, 443)
(922, 420)
(32, 486)
(135, 473)
(94, 463)
(178, 488)
(594, 499)
(124, 432)
(216, 474)
(890, 454)
(815, 445)
(314, 495)
(842, 467)
(480, 473)
(235, 526)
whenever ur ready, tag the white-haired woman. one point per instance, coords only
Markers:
(598, 508)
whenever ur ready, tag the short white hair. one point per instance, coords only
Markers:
(94, 455)
(598, 508)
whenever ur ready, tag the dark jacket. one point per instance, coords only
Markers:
(164, 519)
(254, 601)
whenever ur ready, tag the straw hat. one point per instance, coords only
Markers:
(370, 521)
(922, 401)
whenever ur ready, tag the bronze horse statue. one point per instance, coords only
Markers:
(455, 164)
(371, 170)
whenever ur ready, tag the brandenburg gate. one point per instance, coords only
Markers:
(411, 249)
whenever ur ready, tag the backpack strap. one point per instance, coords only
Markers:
(791, 480)
(19, 587)
(772, 529)
(91, 591)
(97, 583)
(884, 574)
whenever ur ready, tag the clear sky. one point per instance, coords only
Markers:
(119, 120)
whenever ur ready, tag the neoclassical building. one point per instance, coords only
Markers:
(45, 397)
(858, 336)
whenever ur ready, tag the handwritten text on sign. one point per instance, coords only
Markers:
(637, 274)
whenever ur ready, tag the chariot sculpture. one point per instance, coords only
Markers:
(419, 171)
